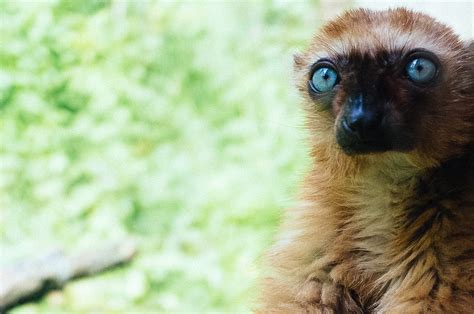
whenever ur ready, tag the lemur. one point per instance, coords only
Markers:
(385, 219)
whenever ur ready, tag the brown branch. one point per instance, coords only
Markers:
(31, 279)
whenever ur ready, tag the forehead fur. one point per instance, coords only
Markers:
(369, 32)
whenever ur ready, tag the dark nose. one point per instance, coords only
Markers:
(362, 119)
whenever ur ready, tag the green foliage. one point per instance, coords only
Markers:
(174, 123)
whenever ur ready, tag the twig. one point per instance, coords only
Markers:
(31, 279)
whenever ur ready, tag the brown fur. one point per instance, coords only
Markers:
(389, 232)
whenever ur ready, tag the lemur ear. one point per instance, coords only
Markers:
(470, 44)
(298, 61)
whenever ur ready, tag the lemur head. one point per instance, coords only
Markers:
(389, 81)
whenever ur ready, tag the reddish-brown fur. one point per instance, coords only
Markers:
(388, 232)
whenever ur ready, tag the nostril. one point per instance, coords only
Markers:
(351, 126)
(354, 123)
(362, 126)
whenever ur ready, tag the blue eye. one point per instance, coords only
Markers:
(323, 79)
(421, 70)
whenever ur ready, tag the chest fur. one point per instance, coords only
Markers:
(406, 231)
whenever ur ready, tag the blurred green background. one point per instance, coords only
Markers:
(175, 123)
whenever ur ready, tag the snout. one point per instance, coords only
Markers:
(362, 124)
(361, 127)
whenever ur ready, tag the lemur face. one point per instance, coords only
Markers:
(376, 96)
(393, 81)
